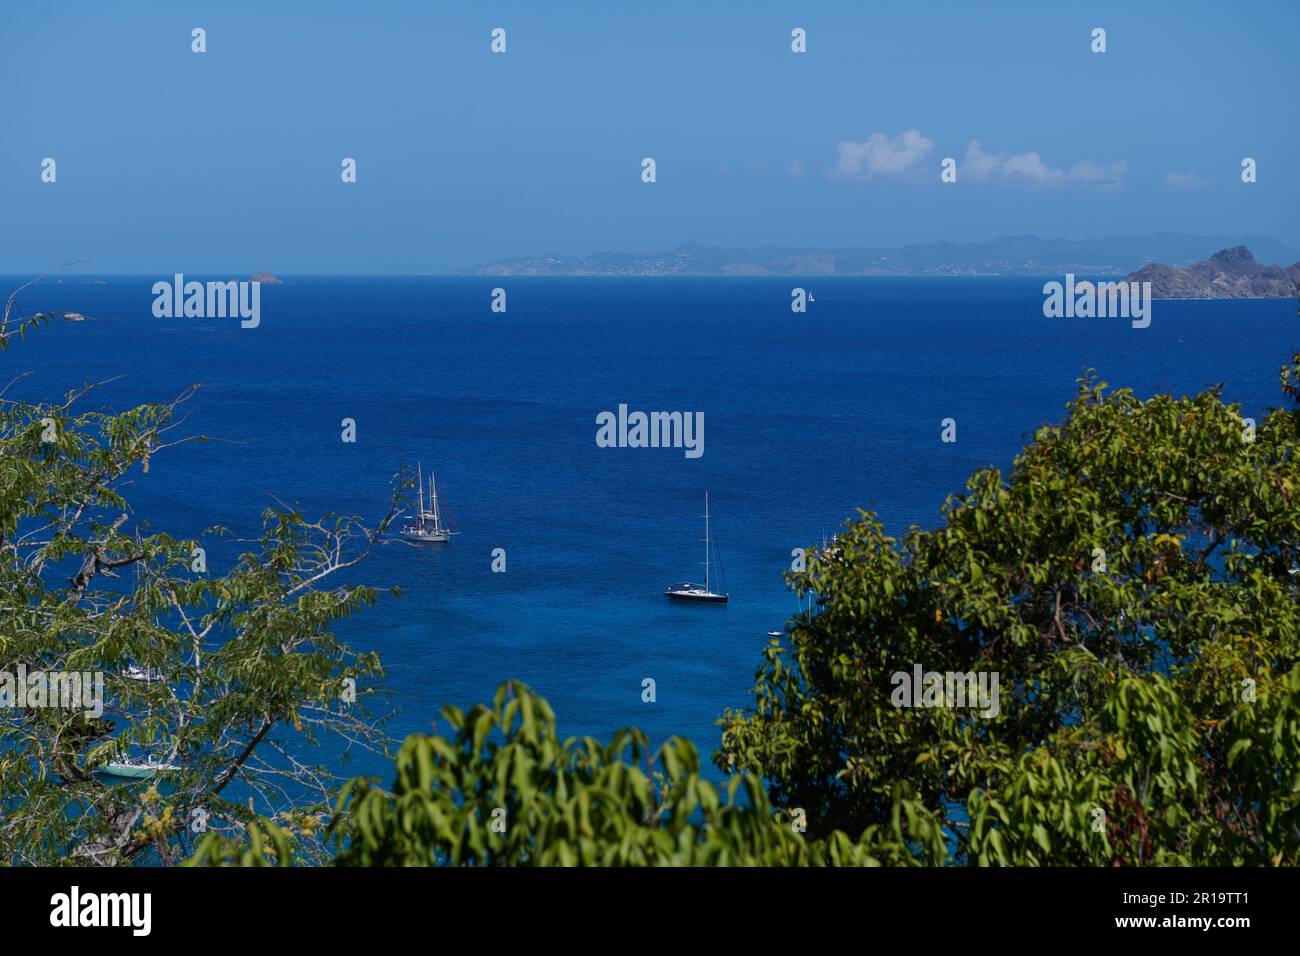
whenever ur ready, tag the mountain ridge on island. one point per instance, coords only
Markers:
(1231, 273)
(1025, 255)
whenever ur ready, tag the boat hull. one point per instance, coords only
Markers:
(695, 597)
(436, 537)
(135, 773)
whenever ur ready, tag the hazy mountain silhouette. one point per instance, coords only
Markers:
(1007, 256)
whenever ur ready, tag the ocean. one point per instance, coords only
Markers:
(808, 417)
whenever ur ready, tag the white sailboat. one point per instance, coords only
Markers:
(428, 526)
(699, 593)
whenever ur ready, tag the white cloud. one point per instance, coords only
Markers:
(979, 166)
(795, 169)
(878, 155)
(1185, 181)
(907, 153)
(1028, 169)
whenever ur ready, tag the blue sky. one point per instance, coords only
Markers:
(173, 161)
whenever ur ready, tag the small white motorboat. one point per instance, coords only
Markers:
(138, 768)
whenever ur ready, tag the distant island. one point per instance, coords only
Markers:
(265, 278)
(1007, 256)
(1228, 274)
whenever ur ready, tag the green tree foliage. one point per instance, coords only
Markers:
(503, 790)
(252, 674)
(1133, 583)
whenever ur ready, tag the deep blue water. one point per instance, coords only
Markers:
(807, 417)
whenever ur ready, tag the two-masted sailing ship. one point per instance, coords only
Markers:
(428, 526)
(699, 593)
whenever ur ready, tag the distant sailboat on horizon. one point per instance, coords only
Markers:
(428, 525)
(699, 593)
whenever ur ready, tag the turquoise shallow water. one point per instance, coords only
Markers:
(807, 417)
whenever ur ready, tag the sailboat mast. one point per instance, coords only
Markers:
(706, 541)
(433, 497)
(419, 508)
